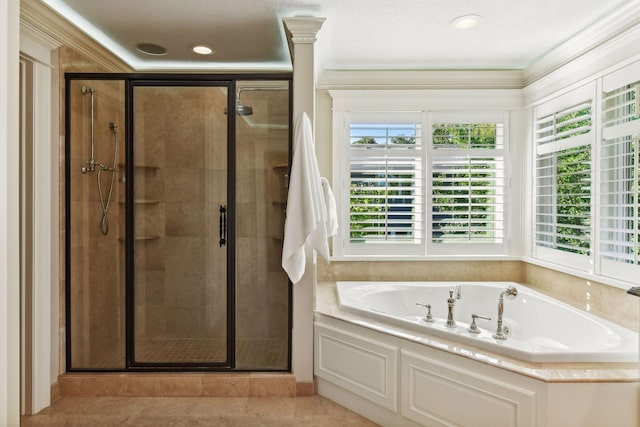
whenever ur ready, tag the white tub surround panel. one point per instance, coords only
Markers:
(363, 366)
(437, 392)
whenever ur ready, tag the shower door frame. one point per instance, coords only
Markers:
(132, 80)
(130, 303)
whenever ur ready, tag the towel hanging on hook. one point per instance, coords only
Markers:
(309, 220)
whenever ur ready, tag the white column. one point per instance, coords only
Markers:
(9, 214)
(302, 33)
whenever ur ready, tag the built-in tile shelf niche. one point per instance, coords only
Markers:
(142, 200)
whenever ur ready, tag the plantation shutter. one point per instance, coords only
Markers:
(467, 183)
(620, 176)
(385, 184)
(563, 140)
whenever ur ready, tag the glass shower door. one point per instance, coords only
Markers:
(179, 201)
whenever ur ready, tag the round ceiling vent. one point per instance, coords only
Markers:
(151, 49)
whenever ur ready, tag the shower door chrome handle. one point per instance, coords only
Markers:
(223, 226)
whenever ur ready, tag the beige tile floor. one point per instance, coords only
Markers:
(196, 411)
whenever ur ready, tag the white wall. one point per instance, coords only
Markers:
(9, 216)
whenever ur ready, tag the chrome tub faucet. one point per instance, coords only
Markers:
(511, 292)
(451, 302)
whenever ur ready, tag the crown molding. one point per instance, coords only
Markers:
(421, 99)
(608, 56)
(620, 21)
(39, 19)
(420, 79)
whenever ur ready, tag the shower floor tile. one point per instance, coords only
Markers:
(250, 353)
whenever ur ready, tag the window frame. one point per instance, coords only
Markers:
(467, 117)
(343, 119)
(342, 243)
(629, 75)
(582, 95)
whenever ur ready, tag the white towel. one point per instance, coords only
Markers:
(332, 213)
(307, 217)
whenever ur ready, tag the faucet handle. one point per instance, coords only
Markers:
(473, 328)
(428, 318)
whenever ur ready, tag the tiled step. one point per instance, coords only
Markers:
(182, 385)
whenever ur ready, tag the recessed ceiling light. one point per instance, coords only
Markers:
(151, 49)
(465, 22)
(202, 49)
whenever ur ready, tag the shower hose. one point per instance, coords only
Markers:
(105, 203)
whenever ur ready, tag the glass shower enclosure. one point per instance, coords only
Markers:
(174, 220)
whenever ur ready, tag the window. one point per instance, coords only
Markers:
(467, 182)
(410, 192)
(563, 140)
(620, 176)
(385, 185)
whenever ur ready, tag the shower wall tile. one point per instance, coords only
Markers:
(184, 185)
(246, 219)
(246, 155)
(215, 152)
(150, 254)
(140, 312)
(154, 286)
(149, 183)
(186, 219)
(185, 288)
(184, 254)
(251, 321)
(156, 322)
(277, 299)
(215, 320)
(185, 321)
(149, 219)
(215, 187)
(246, 191)
(185, 148)
(246, 261)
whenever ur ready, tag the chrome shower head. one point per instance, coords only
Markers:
(243, 110)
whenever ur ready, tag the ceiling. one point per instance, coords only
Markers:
(357, 34)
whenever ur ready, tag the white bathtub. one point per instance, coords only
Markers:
(541, 329)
